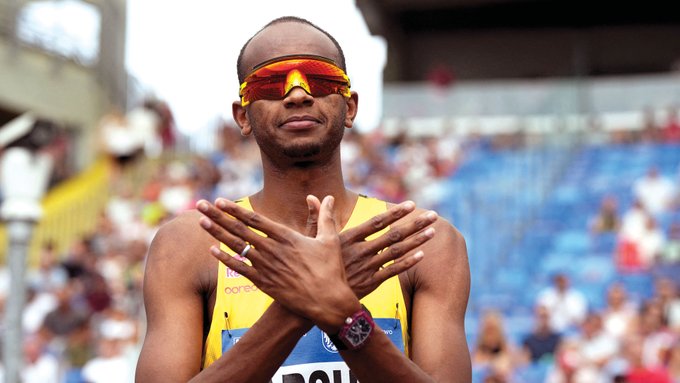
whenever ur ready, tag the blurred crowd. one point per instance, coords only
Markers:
(84, 318)
(634, 337)
(626, 341)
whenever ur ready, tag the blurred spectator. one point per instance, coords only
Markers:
(356, 165)
(634, 228)
(607, 219)
(168, 130)
(656, 337)
(145, 123)
(205, 177)
(541, 343)
(619, 315)
(65, 318)
(119, 140)
(110, 365)
(49, 274)
(237, 164)
(583, 357)
(494, 377)
(634, 222)
(441, 76)
(40, 366)
(651, 244)
(655, 191)
(122, 210)
(116, 324)
(666, 291)
(635, 370)
(673, 362)
(670, 131)
(492, 349)
(38, 305)
(178, 194)
(671, 251)
(650, 130)
(389, 187)
(567, 306)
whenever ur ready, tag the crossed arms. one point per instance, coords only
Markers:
(345, 268)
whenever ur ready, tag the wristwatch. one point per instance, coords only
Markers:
(355, 332)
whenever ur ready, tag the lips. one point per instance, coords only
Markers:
(299, 122)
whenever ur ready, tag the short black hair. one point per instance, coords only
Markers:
(242, 72)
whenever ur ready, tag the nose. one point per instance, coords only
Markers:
(298, 97)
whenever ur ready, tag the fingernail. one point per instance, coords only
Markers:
(429, 232)
(205, 223)
(214, 250)
(202, 205)
(331, 200)
(419, 255)
(431, 215)
(221, 203)
(409, 204)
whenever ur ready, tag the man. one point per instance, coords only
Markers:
(542, 342)
(567, 306)
(314, 260)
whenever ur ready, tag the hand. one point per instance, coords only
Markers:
(364, 260)
(304, 274)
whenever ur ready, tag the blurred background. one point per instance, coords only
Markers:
(546, 131)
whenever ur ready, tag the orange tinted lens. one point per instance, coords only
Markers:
(323, 86)
(270, 81)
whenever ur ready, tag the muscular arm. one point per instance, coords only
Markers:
(174, 306)
(261, 350)
(177, 270)
(439, 349)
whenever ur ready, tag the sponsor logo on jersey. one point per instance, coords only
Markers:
(327, 343)
(229, 290)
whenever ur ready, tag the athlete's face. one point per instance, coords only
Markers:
(299, 126)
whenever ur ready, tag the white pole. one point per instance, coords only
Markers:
(23, 179)
(19, 233)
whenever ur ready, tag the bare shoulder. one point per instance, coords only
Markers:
(181, 247)
(445, 254)
(445, 269)
(447, 246)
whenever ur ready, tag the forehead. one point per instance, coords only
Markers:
(288, 38)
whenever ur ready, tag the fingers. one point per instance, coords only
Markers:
(226, 229)
(314, 205)
(377, 223)
(252, 219)
(326, 224)
(398, 267)
(398, 250)
(402, 234)
(235, 264)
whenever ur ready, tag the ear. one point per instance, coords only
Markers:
(241, 118)
(352, 107)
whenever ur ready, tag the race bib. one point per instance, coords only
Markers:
(315, 359)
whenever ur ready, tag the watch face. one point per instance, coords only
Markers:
(358, 331)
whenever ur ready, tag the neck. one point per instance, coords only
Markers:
(283, 196)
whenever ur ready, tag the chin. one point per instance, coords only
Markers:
(302, 151)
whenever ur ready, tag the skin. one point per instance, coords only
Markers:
(316, 275)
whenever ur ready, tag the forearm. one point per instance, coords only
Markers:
(261, 350)
(381, 361)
